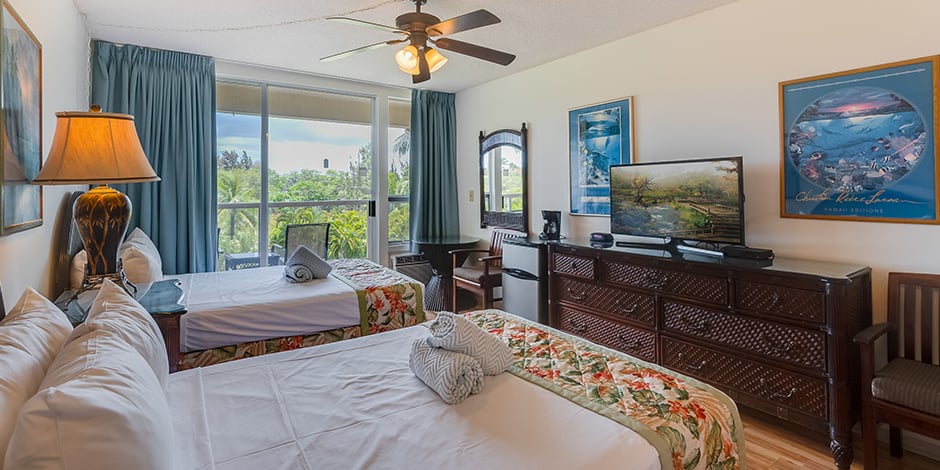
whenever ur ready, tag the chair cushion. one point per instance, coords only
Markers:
(909, 383)
(475, 274)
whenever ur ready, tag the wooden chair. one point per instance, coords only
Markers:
(905, 393)
(483, 278)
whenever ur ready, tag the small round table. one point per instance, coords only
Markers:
(437, 293)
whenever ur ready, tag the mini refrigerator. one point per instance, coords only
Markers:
(525, 279)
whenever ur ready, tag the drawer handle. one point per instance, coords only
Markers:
(777, 348)
(655, 281)
(574, 265)
(627, 308)
(574, 296)
(690, 366)
(577, 326)
(776, 301)
(776, 394)
(700, 326)
(627, 344)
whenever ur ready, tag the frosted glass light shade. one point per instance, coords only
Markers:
(435, 59)
(407, 60)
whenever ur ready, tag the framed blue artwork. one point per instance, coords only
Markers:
(21, 124)
(599, 136)
(861, 144)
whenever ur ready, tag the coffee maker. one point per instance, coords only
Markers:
(551, 230)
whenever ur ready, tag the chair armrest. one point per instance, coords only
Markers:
(487, 259)
(468, 250)
(870, 334)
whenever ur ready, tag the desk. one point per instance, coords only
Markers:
(248, 260)
(438, 291)
(161, 300)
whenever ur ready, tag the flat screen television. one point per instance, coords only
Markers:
(697, 203)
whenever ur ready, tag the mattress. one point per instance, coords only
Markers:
(356, 404)
(230, 307)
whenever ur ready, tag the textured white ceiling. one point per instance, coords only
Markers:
(293, 34)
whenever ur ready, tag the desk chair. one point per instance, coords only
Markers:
(905, 393)
(483, 278)
(313, 236)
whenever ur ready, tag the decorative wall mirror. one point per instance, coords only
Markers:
(504, 180)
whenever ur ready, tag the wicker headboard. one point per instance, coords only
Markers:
(67, 243)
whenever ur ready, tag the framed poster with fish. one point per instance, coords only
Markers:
(861, 144)
(20, 123)
(599, 135)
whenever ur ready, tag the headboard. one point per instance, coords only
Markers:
(67, 243)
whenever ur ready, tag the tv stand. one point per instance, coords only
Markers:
(778, 340)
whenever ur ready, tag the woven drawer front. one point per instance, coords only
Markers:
(616, 302)
(573, 265)
(698, 286)
(784, 302)
(633, 341)
(788, 343)
(774, 385)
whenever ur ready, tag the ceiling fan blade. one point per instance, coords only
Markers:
(424, 71)
(473, 50)
(359, 49)
(369, 24)
(474, 19)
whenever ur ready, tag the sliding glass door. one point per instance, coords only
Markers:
(297, 156)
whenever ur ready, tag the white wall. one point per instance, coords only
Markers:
(26, 257)
(707, 86)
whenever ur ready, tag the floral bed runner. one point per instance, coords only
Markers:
(691, 424)
(388, 299)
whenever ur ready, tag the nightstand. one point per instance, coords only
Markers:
(162, 301)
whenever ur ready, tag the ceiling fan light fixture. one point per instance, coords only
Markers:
(435, 59)
(407, 60)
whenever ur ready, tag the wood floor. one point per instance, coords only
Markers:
(769, 446)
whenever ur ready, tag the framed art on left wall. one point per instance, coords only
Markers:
(20, 124)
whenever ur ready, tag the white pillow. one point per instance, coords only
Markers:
(141, 259)
(100, 406)
(30, 336)
(115, 311)
(77, 273)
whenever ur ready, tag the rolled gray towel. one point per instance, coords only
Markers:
(455, 333)
(304, 265)
(298, 273)
(452, 375)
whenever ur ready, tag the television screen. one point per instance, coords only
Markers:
(692, 200)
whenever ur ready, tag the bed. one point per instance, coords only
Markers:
(563, 403)
(242, 313)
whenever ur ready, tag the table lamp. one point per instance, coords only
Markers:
(98, 148)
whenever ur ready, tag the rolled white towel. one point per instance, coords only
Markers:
(455, 333)
(304, 265)
(452, 375)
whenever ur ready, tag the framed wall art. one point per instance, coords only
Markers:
(599, 136)
(21, 124)
(861, 144)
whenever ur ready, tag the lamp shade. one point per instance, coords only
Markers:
(407, 60)
(95, 147)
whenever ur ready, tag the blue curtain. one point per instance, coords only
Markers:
(172, 98)
(433, 196)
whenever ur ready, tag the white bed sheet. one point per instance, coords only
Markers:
(230, 307)
(356, 404)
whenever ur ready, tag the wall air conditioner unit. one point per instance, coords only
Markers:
(413, 265)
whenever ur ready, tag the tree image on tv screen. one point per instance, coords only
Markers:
(685, 200)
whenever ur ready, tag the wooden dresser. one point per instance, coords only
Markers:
(775, 336)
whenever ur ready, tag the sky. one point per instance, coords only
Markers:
(295, 144)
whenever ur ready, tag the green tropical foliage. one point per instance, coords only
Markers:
(239, 181)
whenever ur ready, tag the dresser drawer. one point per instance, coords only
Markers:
(697, 286)
(792, 344)
(573, 265)
(771, 384)
(636, 342)
(616, 302)
(784, 302)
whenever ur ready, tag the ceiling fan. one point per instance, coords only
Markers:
(419, 29)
